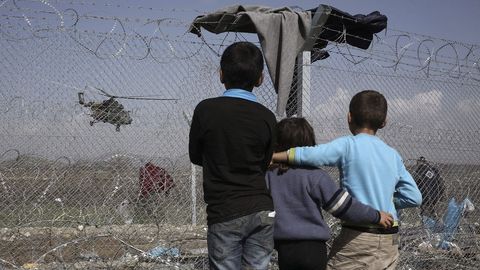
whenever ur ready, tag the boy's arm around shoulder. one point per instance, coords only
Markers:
(340, 203)
(195, 141)
(328, 154)
(406, 193)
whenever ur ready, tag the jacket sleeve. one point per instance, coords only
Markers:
(195, 142)
(406, 193)
(340, 204)
(328, 154)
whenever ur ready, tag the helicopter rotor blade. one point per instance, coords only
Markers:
(143, 98)
(104, 93)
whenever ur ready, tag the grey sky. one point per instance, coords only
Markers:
(51, 73)
(453, 20)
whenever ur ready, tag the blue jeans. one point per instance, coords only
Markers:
(242, 243)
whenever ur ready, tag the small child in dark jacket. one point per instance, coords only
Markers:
(299, 194)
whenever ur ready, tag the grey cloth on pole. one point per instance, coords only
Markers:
(281, 31)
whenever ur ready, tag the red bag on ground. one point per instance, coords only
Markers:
(154, 179)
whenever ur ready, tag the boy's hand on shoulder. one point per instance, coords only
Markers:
(386, 220)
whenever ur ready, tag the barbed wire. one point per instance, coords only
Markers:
(425, 64)
(69, 192)
(379, 57)
(82, 224)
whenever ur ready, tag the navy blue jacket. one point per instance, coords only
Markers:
(300, 194)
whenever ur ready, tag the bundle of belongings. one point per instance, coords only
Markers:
(154, 179)
(284, 33)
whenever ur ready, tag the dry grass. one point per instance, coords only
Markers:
(85, 229)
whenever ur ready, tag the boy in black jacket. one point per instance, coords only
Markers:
(232, 138)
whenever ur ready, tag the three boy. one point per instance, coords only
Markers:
(232, 137)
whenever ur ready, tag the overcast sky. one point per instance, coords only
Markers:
(453, 20)
(54, 72)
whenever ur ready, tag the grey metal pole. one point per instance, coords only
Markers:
(194, 194)
(304, 61)
(304, 89)
(193, 179)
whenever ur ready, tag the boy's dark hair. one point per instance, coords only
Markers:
(242, 65)
(368, 109)
(292, 132)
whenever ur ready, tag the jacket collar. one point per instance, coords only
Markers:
(240, 93)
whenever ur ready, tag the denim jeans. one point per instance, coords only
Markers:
(242, 243)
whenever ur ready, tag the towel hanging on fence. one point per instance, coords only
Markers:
(282, 33)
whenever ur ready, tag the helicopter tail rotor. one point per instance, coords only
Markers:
(81, 100)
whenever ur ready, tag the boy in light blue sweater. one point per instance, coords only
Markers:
(299, 195)
(373, 173)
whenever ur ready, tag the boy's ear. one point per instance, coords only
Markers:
(221, 76)
(349, 118)
(260, 81)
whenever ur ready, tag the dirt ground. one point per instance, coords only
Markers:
(107, 247)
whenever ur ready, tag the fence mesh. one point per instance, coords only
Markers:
(91, 179)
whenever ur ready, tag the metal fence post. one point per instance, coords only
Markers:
(304, 87)
(193, 179)
(320, 17)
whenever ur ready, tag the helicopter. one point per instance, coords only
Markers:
(110, 110)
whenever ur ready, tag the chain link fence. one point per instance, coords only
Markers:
(95, 111)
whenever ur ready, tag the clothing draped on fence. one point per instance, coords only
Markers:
(282, 33)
